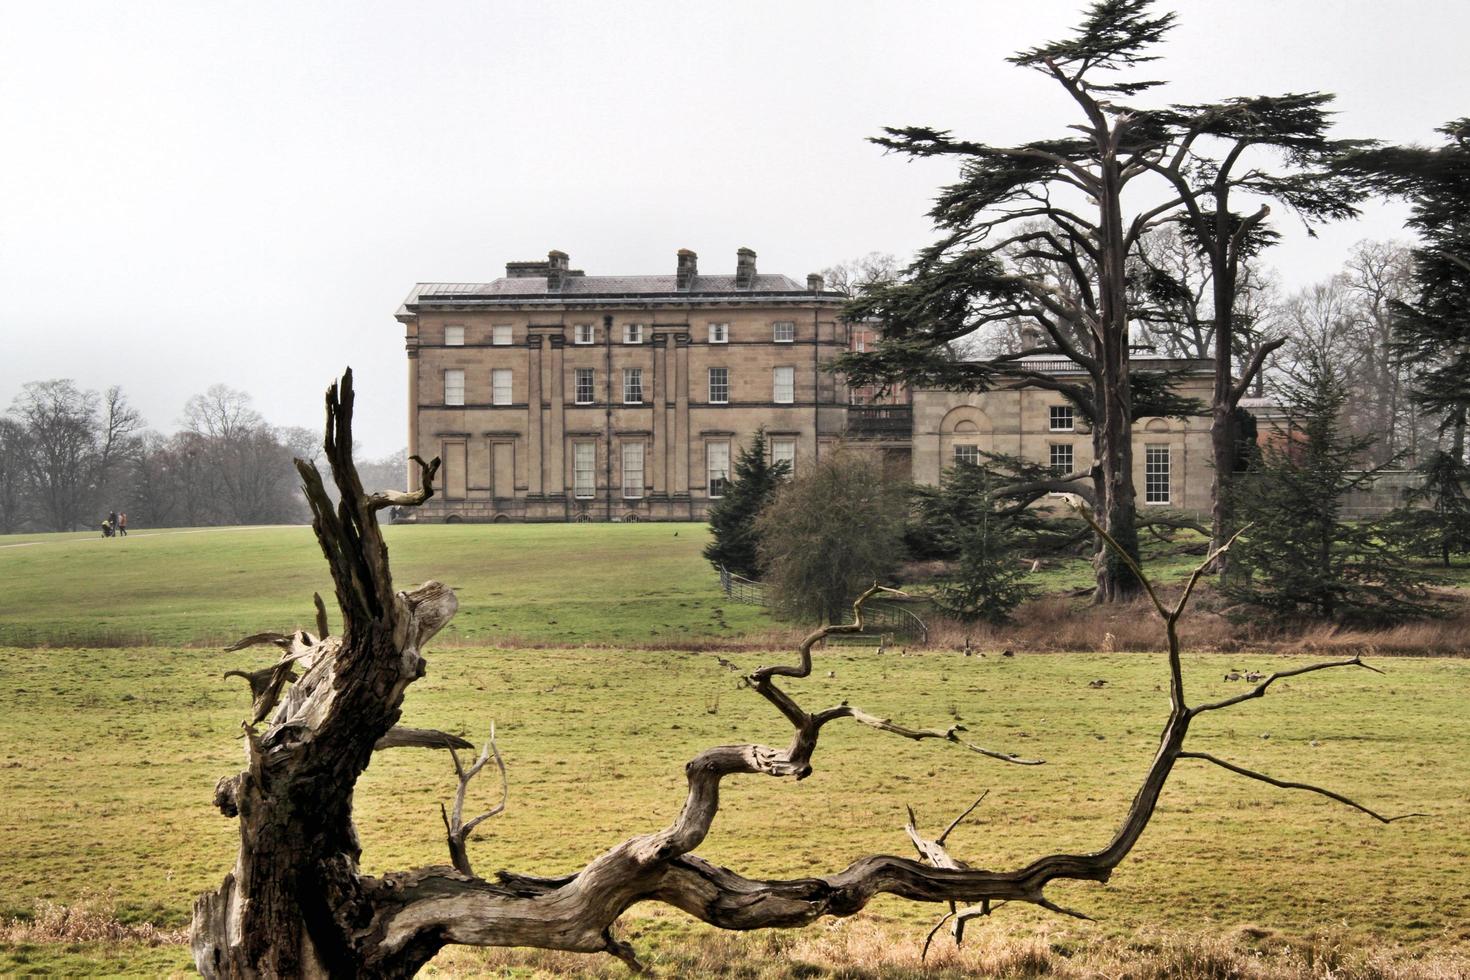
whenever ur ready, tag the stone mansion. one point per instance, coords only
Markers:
(552, 395)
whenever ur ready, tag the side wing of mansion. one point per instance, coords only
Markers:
(551, 395)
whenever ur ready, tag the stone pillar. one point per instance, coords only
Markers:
(556, 481)
(680, 428)
(535, 443)
(412, 475)
(656, 465)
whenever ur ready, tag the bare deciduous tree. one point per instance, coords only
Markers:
(75, 440)
(855, 276)
(14, 453)
(297, 904)
(244, 460)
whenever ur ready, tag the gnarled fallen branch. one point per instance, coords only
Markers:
(296, 902)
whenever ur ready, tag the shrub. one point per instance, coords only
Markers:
(830, 533)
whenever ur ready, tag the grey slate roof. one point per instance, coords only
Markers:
(576, 287)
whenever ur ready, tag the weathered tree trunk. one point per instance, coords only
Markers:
(297, 905)
(1116, 581)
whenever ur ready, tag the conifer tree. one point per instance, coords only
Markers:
(1301, 556)
(1436, 517)
(736, 543)
(986, 538)
(1432, 333)
(1013, 247)
(1038, 233)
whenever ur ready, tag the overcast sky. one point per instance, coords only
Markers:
(201, 192)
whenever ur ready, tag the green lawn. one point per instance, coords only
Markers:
(109, 754)
(524, 584)
(108, 759)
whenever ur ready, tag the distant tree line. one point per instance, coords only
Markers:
(70, 456)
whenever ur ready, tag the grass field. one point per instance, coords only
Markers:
(522, 584)
(109, 755)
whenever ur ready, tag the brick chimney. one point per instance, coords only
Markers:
(744, 268)
(556, 270)
(688, 268)
(814, 282)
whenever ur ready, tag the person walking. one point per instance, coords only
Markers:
(122, 524)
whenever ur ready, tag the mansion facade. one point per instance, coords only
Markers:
(551, 395)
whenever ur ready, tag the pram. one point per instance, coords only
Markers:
(107, 529)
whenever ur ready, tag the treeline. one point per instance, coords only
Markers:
(70, 456)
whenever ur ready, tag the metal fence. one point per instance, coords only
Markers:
(741, 589)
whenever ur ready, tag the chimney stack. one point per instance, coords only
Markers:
(814, 282)
(688, 268)
(556, 270)
(744, 268)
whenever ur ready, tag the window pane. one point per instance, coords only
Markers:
(719, 385)
(718, 454)
(454, 387)
(784, 451)
(967, 454)
(1156, 474)
(500, 335)
(632, 333)
(632, 469)
(583, 395)
(583, 334)
(784, 331)
(500, 386)
(785, 385)
(1061, 418)
(719, 333)
(1061, 458)
(584, 468)
(454, 336)
(632, 386)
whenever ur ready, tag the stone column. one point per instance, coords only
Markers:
(657, 463)
(535, 443)
(680, 484)
(556, 481)
(412, 474)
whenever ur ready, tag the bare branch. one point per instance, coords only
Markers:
(399, 737)
(1124, 556)
(322, 630)
(1260, 689)
(803, 667)
(414, 497)
(457, 832)
(1285, 784)
(282, 640)
(960, 819)
(950, 734)
(1199, 571)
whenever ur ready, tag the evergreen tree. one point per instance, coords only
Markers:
(1436, 518)
(1433, 330)
(736, 543)
(1010, 251)
(967, 520)
(1300, 555)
